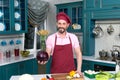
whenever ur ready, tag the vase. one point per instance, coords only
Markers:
(42, 42)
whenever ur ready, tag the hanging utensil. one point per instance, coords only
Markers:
(110, 29)
(97, 31)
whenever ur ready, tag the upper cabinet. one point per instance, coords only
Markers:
(91, 4)
(74, 10)
(101, 4)
(110, 4)
(13, 16)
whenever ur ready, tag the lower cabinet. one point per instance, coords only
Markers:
(28, 66)
(87, 65)
(1, 76)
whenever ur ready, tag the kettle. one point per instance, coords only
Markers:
(115, 53)
(103, 54)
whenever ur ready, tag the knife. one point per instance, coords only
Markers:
(49, 78)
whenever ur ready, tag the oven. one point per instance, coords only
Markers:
(99, 67)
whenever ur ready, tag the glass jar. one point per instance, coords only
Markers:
(16, 51)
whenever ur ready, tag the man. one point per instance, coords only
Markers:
(61, 45)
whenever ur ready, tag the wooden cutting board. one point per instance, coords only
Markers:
(62, 76)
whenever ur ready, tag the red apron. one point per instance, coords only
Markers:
(62, 59)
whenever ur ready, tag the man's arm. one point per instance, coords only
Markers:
(79, 59)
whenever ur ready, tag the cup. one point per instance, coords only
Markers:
(16, 51)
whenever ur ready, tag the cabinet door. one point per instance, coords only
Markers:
(13, 16)
(87, 65)
(91, 4)
(9, 70)
(31, 66)
(1, 71)
(5, 16)
(28, 66)
(110, 4)
(20, 16)
(76, 18)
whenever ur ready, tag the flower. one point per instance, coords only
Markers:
(42, 32)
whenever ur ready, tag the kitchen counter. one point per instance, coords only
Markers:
(13, 59)
(38, 77)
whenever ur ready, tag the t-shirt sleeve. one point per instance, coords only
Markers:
(76, 42)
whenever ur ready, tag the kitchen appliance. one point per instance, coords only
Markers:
(100, 67)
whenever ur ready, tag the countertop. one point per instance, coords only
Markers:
(38, 77)
(13, 59)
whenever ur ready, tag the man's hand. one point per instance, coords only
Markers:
(80, 73)
(42, 62)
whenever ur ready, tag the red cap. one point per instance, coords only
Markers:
(63, 16)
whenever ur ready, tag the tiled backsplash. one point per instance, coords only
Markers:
(107, 41)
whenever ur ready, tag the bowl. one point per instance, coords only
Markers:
(24, 53)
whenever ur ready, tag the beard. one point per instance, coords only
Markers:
(61, 30)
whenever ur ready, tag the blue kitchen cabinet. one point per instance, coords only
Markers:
(87, 65)
(74, 10)
(13, 16)
(19, 68)
(104, 10)
(101, 4)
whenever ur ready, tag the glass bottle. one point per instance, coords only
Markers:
(16, 51)
(8, 54)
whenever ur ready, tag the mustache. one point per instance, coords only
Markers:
(60, 28)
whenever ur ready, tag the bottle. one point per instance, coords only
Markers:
(8, 54)
(117, 68)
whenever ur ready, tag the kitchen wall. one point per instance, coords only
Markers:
(51, 21)
(107, 41)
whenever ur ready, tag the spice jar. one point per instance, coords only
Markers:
(8, 54)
